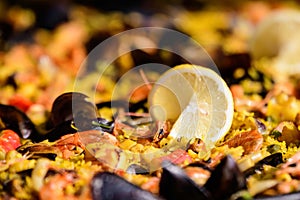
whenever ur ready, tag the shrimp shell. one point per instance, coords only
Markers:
(251, 141)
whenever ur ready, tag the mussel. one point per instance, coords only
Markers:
(176, 185)
(108, 186)
(272, 160)
(73, 106)
(14, 119)
(71, 112)
(225, 180)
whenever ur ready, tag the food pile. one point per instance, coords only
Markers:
(56, 143)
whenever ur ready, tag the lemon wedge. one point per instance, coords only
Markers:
(196, 100)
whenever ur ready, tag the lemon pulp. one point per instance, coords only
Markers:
(196, 100)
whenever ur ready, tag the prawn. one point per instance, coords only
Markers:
(55, 187)
(68, 142)
(251, 141)
(291, 166)
(163, 130)
(242, 102)
(65, 146)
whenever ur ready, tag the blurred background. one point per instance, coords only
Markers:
(44, 42)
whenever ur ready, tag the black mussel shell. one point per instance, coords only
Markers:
(130, 106)
(108, 186)
(273, 160)
(14, 119)
(176, 185)
(60, 130)
(72, 112)
(74, 106)
(225, 180)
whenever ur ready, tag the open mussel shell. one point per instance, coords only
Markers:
(272, 160)
(108, 186)
(60, 130)
(74, 106)
(14, 119)
(225, 180)
(176, 185)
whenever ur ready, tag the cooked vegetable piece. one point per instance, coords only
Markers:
(9, 140)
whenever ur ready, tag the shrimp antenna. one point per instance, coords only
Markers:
(145, 79)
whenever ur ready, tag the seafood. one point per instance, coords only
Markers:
(251, 141)
(225, 180)
(71, 149)
(14, 119)
(163, 129)
(272, 160)
(175, 184)
(108, 186)
(65, 147)
(241, 101)
(227, 177)
(50, 189)
(73, 106)
(75, 109)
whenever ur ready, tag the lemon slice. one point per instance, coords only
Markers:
(196, 100)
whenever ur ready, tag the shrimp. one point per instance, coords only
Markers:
(291, 166)
(288, 186)
(251, 141)
(141, 92)
(55, 187)
(68, 142)
(242, 102)
(163, 130)
(65, 147)
(197, 145)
